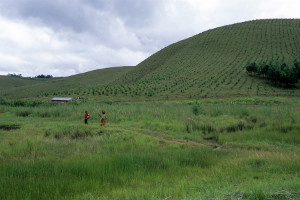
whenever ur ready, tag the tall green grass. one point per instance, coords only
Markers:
(237, 148)
(100, 173)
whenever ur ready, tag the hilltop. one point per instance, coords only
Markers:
(210, 64)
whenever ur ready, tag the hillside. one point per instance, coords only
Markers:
(210, 64)
(10, 82)
(59, 86)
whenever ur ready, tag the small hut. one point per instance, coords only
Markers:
(62, 99)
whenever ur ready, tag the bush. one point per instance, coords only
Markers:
(207, 128)
(4, 102)
(263, 69)
(20, 103)
(23, 113)
(277, 73)
(252, 68)
(70, 132)
(196, 109)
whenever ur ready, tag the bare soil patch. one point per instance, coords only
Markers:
(9, 128)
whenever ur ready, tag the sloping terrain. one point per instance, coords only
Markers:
(61, 86)
(10, 82)
(210, 64)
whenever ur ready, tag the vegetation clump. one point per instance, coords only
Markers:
(69, 132)
(43, 76)
(20, 103)
(280, 74)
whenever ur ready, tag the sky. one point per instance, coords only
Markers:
(67, 37)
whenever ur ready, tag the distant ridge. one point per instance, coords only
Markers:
(72, 85)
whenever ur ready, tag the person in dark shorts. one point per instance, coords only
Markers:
(86, 117)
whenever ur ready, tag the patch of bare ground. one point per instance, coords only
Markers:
(9, 128)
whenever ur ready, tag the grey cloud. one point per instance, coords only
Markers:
(67, 37)
(101, 18)
(80, 15)
(56, 13)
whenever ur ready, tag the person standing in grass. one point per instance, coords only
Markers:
(103, 118)
(86, 117)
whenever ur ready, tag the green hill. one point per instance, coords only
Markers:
(58, 86)
(210, 64)
(11, 82)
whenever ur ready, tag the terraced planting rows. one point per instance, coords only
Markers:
(211, 64)
(71, 85)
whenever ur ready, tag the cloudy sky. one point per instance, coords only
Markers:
(66, 37)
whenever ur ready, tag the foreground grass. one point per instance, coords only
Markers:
(211, 149)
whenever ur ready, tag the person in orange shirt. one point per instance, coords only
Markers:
(103, 118)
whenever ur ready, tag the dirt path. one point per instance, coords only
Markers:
(164, 139)
(191, 143)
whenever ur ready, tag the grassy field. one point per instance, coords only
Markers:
(186, 123)
(225, 148)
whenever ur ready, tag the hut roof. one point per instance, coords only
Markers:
(62, 99)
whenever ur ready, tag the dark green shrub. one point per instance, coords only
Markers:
(80, 133)
(23, 113)
(252, 68)
(20, 103)
(69, 132)
(4, 102)
(263, 69)
(207, 128)
(278, 73)
(196, 109)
